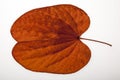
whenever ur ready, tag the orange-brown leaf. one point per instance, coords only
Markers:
(48, 39)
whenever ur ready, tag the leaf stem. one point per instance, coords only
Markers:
(95, 41)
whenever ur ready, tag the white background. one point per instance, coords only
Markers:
(105, 25)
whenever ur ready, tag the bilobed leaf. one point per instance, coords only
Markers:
(47, 39)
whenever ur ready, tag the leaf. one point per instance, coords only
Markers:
(48, 39)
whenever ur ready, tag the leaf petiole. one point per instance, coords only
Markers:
(95, 41)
